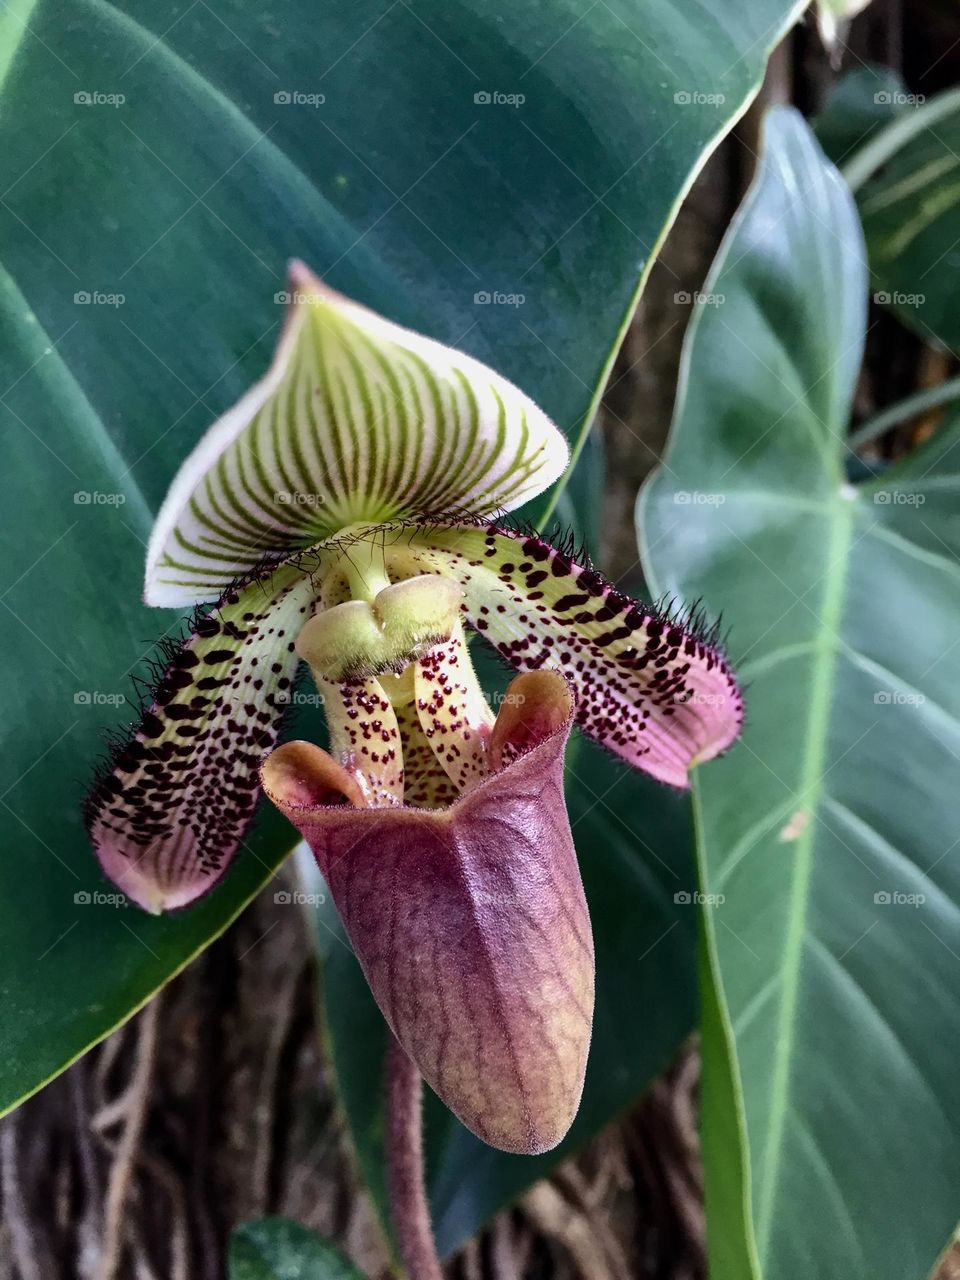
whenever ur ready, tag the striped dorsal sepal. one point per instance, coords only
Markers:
(357, 421)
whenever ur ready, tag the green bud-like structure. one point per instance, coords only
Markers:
(358, 639)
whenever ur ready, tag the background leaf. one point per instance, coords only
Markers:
(857, 106)
(911, 219)
(909, 205)
(831, 964)
(175, 158)
(278, 1249)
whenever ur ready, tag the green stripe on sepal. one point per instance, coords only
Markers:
(356, 421)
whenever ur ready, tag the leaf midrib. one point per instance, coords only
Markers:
(811, 787)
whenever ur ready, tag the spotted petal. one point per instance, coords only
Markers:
(169, 814)
(357, 420)
(654, 690)
(453, 712)
(364, 729)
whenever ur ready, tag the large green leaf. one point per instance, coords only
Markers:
(278, 1249)
(831, 964)
(911, 218)
(634, 845)
(858, 105)
(175, 156)
(901, 153)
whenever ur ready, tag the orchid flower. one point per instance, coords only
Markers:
(347, 512)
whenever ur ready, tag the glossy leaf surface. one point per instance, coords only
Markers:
(827, 838)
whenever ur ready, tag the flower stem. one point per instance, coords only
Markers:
(405, 1180)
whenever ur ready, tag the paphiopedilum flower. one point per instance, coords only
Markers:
(347, 512)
